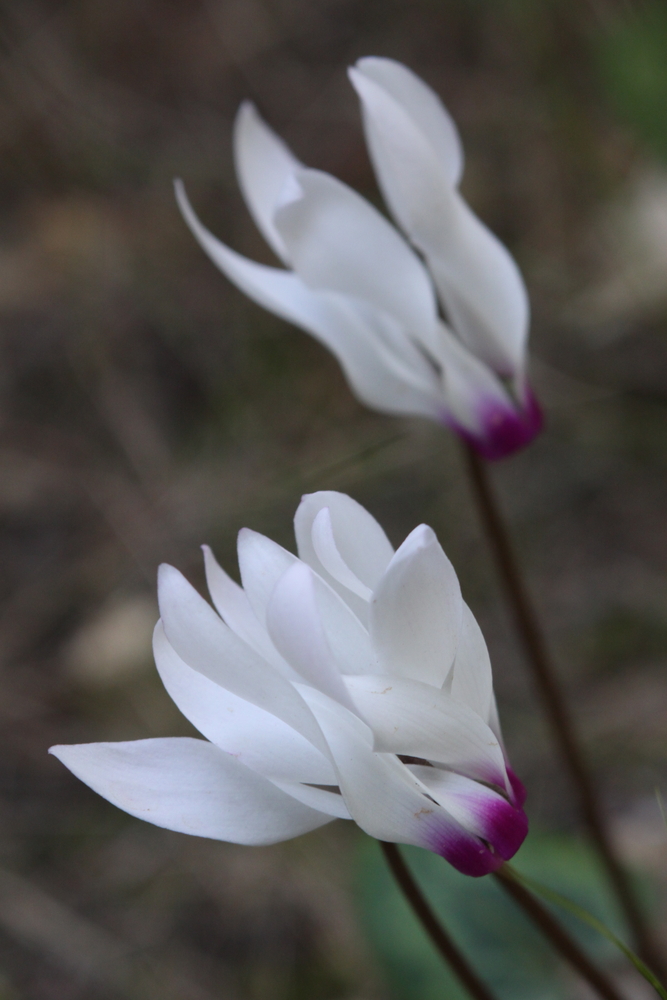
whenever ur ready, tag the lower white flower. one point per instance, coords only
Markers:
(352, 682)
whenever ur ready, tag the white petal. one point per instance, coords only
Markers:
(192, 787)
(206, 644)
(252, 735)
(386, 799)
(265, 168)
(472, 682)
(263, 563)
(422, 105)
(337, 241)
(296, 630)
(471, 387)
(417, 720)
(482, 290)
(379, 791)
(364, 341)
(403, 354)
(327, 552)
(361, 542)
(412, 177)
(331, 803)
(232, 604)
(477, 279)
(494, 723)
(415, 616)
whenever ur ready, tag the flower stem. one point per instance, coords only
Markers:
(556, 933)
(555, 706)
(433, 927)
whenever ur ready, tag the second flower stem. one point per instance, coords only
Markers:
(564, 944)
(555, 706)
(437, 933)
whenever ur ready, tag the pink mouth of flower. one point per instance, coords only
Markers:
(505, 429)
(504, 831)
(467, 854)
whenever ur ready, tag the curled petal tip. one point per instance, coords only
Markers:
(246, 107)
(165, 571)
(505, 429)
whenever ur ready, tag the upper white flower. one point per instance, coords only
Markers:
(352, 682)
(357, 285)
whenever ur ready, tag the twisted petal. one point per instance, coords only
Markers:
(337, 241)
(472, 681)
(192, 787)
(482, 292)
(422, 105)
(266, 169)
(252, 735)
(263, 563)
(415, 615)
(417, 720)
(360, 540)
(326, 550)
(387, 801)
(479, 283)
(296, 629)
(209, 646)
(232, 604)
(351, 546)
(385, 371)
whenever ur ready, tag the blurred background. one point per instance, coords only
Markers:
(147, 407)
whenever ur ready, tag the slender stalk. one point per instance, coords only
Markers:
(556, 933)
(438, 935)
(556, 708)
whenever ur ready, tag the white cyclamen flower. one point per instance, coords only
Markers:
(352, 682)
(358, 286)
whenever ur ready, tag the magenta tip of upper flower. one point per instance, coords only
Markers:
(506, 430)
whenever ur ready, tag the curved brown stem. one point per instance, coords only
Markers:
(555, 707)
(438, 935)
(567, 947)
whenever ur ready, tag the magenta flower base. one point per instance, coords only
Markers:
(506, 430)
(505, 831)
